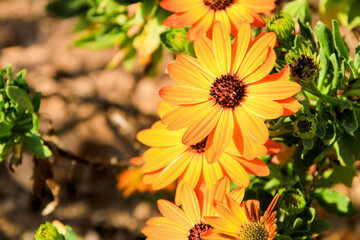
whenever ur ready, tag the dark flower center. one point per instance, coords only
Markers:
(218, 5)
(304, 126)
(303, 67)
(197, 230)
(228, 91)
(200, 146)
(254, 231)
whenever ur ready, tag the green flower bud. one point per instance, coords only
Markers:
(292, 202)
(48, 231)
(304, 70)
(304, 127)
(304, 64)
(281, 24)
(176, 40)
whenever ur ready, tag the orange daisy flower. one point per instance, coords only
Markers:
(188, 223)
(202, 14)
(130, 180)
(169, 159)
(226, 92)
(242, 222)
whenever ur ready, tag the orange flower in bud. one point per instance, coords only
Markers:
(202, 14)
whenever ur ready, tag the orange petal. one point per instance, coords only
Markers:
(184, 75)
(263, 70)
(202, 124)
(162, 232)
(257, 54)
(254, 125)
(264, 108)
(157, 158)
(258, 20)
(159, 137)
(204, 52)
(200, 27)
(223, 132)
(240, 46)
(238, 194)
(222, 44)
(212, 172)
(259, 6)
(234, 171)
(283, 75)
(255, 167)
(272, 146)
(180, 5)
(190, 203)
(187, 18)
(194, 65)
(273, 90)
(182, 94)
(290, 105)
(163, 107)
(172, 171)
(174, 214)
(181, 117)
(238, 13)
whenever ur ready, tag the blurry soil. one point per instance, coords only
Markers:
(94, 113)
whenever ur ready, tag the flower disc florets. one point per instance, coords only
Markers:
(200, 146)
(254, 231)
(228, 91)
(304, 127)
(218, 5)
(292, 202)
(197, 230)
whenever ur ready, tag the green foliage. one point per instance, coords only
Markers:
(334, 202)
(299, 9)
(134, 28)
(19, 123)
(48, 231)
(346, 11)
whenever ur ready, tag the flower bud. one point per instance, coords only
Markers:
(176, 40)
(48, 232)
(292, 202)
(304, 127)
(281, 24)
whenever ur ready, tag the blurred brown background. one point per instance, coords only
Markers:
(95, 113)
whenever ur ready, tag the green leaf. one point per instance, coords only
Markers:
(307, 32)
(348, 121)
(103, 38)
(5, 149)
(20, 97)
(67, 8)
(357, 57)
(319, 225)
(34, 144)
(334, 202)
(325, 38)
(5, 129)
(340, 44)
(347, 149)
(299, 9)
(70, 233)
(308, 143)
(36, 101)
